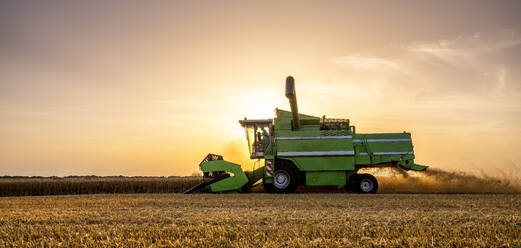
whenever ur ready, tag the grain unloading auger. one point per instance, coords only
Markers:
(298, 149)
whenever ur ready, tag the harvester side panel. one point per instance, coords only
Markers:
(312, 149)
(382, 148)
(372, 149)
(326, 178)
(323, 163)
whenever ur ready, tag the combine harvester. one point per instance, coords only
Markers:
(298, 149)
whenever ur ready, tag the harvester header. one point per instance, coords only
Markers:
(297, 149)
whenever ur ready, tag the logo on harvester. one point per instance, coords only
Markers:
(269, 168)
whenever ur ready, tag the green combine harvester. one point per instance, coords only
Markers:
(297, 149)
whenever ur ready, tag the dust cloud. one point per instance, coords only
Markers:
(434, 180)
(237, 152)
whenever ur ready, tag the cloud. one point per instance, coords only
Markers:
(464, 50)
(482, 64)
(191, 104)
(220, 113)
(366, 62)
(442, 51)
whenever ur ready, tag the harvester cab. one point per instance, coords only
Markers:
(298, 149)
(259, 135)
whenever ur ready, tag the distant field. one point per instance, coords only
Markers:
(94, 185)
(256, 220)
(390, 181)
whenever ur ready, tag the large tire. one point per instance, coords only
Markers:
(285, 178)
(366, 184)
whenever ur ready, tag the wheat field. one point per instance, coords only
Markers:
(261, 220)
(95, 185)
(390, 181)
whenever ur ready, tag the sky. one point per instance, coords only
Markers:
(150, 87)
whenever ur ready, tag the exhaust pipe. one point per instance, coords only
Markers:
(292, 96)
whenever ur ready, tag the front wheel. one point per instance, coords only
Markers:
(366, 184)
(285, 179)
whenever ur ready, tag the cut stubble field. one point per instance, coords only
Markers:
(257, 220)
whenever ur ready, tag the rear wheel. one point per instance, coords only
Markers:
(285, 178)
(366, 184)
